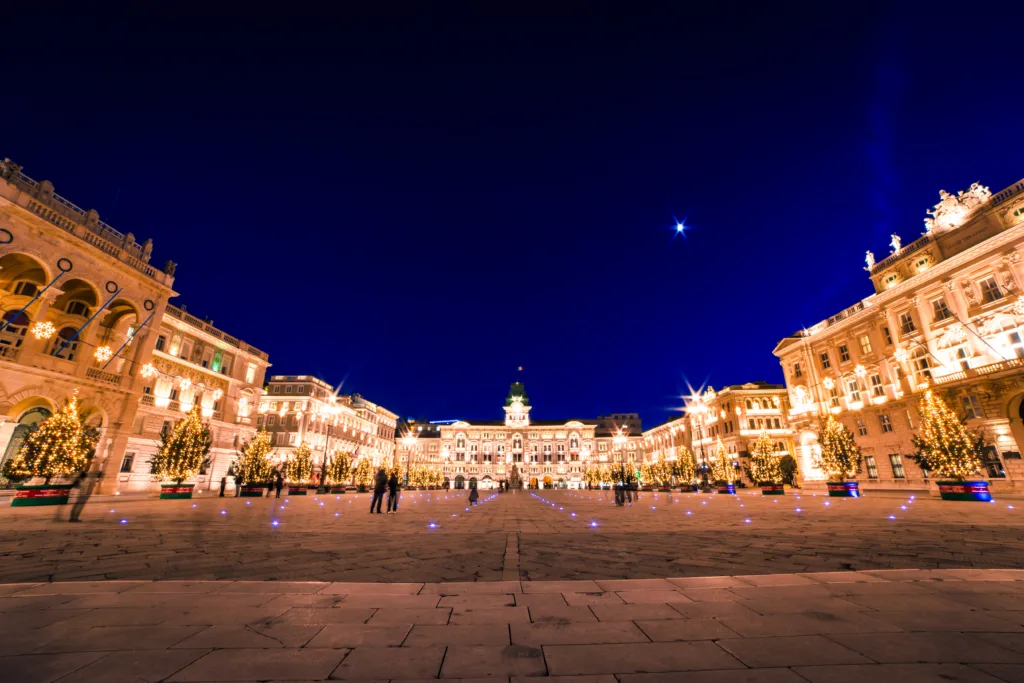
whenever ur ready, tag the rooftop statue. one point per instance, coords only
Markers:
(953, 210)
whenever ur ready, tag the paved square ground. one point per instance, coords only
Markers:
(542, 536)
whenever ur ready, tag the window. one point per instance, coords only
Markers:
(922, 367)
(834, 397)
(910, 419)
(1016, 343)
(907, 323)
(972, 407)
(869, 461)
(885, 422)
(751, 424)
(865, 344)
(777, 423)
(896, 460)
(271, 419)
(941, 310)
(962, 357)
(844, 354)
(853, 390)
(288, 389)
(259, 420)
(127, 462)
(16, 325)
(25, 288)
(161, 342)
(291, 439)
(78, 308)
(250, 373)
(990, 290)
(862, 427)
(825, 363)
(167, 426)
(66, 335)
(877, 388)
(887, 335)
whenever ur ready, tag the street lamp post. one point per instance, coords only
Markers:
(699, 409)
(410, 443)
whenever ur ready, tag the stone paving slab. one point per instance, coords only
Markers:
(744, 635)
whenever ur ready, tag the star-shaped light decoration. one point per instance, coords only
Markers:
(103, 354)
(43, 330)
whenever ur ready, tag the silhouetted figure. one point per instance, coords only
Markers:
(393, 494)
(279, 484)
(223, 485)
(380, 485)
(86, 483)
(238, 485)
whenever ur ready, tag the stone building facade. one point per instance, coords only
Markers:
(304, 409)
(546, 453)
(947, 313)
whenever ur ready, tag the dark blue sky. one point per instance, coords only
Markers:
(419, 201)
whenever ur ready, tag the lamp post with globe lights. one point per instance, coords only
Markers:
(697, 409)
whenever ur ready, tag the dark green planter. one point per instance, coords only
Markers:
(42, 494)
(843, 489)
(253, 491)
(172, 491)
(772, 489)
(976, 491)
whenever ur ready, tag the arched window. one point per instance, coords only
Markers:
(65, 334)
(16, 325)
(78, 308)
(749, 404)
(517, 442)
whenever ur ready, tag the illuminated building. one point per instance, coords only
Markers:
(83, 309)
(304, 409)
(733, 416)
(546, 453)
(947, 312)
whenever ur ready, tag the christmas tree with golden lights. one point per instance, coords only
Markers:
(300, 466)
(764, 464)
(364, 472)
(944, 445)
(722, 468)
(339, 468)
(685, 467)
(840, 455)
(253, 465)
(60, 447)
(183, 450)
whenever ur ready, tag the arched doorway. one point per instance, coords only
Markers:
(547, 482)
(26, 424)
(460, 481)
(472, 482)
(533, 482)
(561, 483)
(447, 483)
(486, 482)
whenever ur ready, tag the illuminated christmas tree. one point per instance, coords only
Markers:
(945, 445)
(253, 465)
(604, 474)
(339, 468)
(722, 469)
(685, 466)
(840, 455)
(364, 472)
(300, 465)
(436, 478)
(647, 474)
(590, 477)
(184, 449)
(60, 447)
(764, 464)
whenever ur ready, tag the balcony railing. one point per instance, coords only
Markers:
(1001, 366)
(195, 322)
(99, 375)
(10, 353)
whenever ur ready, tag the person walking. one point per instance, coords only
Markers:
(379, 486)
(279, 484)
(393, 494)
(474, 495)
(86, 482)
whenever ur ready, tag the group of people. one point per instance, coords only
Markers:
(625, 489)
(383, 483)
(274, 484)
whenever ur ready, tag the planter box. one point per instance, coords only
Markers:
(171, 491)
(727, 489)
(965, 490)
(297, 490)
(843, 489)
(43, 494)
(665, 489)
(646, 488)
(337, 489)
(772, 490)
(253, 491)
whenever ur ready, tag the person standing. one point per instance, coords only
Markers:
(393, 494)
(238, 485)
(379, 486)
(474, 495)
(279, 484)
(223, 485)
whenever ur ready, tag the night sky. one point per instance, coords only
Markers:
(419, 201)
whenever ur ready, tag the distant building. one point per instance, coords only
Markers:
(546, 453)
(947, 313)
